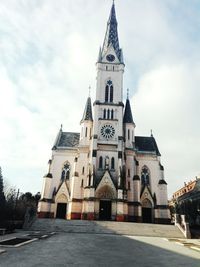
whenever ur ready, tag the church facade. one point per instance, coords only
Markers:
(106, 172)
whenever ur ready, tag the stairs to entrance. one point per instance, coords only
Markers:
(106, 227)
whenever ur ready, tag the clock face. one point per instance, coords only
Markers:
(107, 131)
(110, 57)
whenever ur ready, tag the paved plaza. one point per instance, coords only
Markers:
(66, 248)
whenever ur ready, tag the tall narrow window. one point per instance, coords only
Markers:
(128, 172)
(129, 186)
(100, 163)
(106, 93)
(145, 176)
(112, 114)
(111, 93)
(83, 170)
(128, 134)
(65, 172)
(104, 113)
(86, 132)
(113, 163)
(108, 114)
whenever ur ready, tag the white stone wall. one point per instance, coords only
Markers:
(152, 162)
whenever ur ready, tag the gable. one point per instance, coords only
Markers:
(106, 188)
(62, 194)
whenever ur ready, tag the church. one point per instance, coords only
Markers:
(106, 172)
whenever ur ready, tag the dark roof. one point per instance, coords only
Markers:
(162, 181)
(128, 118)
(111, 36)
(87, 115)
(193, 194)
(146, 144)
(136, 178)
(67, 139)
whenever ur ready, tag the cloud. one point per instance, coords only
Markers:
(47, 62)
(167, 102)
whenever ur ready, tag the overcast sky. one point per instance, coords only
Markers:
(48, 51)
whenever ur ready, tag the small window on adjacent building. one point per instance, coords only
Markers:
(128, 134)
(113, 163)
(101, 163)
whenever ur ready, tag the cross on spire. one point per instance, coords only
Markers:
(89, 90)
(127, 93)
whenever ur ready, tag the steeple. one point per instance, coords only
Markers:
(128, 118)
(87, 115)
(111, 36)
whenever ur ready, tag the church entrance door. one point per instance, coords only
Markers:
(146, 215)
(61, 210)
(105, 210)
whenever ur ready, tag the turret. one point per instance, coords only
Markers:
(86, 124)
(129, 126)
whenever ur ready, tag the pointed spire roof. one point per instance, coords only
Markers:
(128, 118)
(111, 37)
(87, 115)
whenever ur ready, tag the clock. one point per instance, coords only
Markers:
(110, 57)
(107, 131)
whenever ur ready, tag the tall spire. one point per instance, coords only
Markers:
(128, 118)
(111, 37)
(87, 115)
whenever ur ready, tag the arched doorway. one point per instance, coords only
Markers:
(61, 207)
(105, 195)
(61, 210)
(146, 211)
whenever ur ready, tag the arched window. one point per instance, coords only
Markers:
(145, 176)
(108, 114)
(113, 163)
(111, 93)
(101, 163)
(65, 172)
(104, 113)
(106, 93)
(129, 186)
(112, 114)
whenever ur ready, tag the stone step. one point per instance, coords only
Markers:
(106, 227)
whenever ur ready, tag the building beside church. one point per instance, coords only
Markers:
(106, 172)
(186, 201)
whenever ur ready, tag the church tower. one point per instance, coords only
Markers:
(106, 172)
